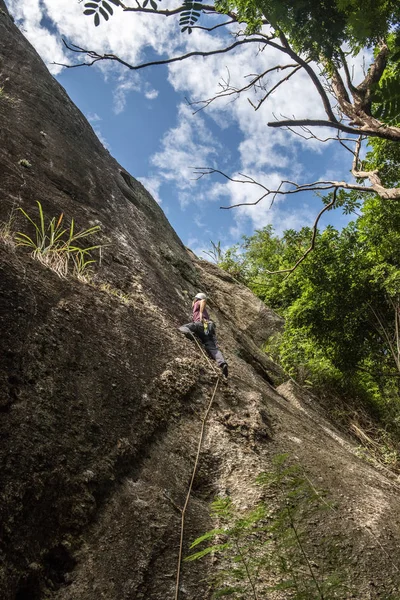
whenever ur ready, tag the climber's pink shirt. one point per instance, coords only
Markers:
(196, 313)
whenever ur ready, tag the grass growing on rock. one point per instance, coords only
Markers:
(56, 246)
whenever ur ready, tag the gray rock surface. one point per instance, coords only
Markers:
(101, 399)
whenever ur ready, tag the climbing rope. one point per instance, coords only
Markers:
(196, 462)
(206, 357)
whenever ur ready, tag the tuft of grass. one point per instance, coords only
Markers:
(4, 97)
(25, 163)
(108, 289)
(7, 234)
(56, 246)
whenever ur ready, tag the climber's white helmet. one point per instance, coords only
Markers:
(201, 296)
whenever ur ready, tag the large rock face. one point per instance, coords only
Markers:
(101, 399)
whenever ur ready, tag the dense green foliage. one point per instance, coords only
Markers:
(321, 26)
(386, 95)
(341, 305)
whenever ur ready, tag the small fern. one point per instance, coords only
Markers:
(100, 8)
(153, 4)
(190, 15)
(270, 548)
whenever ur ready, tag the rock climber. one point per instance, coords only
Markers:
(204, 329)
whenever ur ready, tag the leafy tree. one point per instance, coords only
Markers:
(342, 306)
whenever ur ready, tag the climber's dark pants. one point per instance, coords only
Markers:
(208, 340)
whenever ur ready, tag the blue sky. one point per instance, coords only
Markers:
(146, 124)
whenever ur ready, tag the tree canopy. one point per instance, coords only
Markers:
(342, 308)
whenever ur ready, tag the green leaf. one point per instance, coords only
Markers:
(207, 536)
(96, 20)
(107, 7)
(104, 13)
(215, 549)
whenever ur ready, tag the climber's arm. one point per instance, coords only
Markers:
(202, 307)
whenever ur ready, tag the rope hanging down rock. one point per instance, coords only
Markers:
(196, 462)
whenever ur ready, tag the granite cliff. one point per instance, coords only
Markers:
(101, 399)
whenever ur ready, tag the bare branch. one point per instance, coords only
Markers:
(310, 135)
(215, 26)
(169, 13)
(357, 154)
(275, 87)
(315, 186)
(375, 72)
(383, 131)
(372, 176)
(346, 70)
(228, 90)
(313, 238)
(97, 57)
(311, 73)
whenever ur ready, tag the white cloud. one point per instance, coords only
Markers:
(28, 16)
(264, 153)
(241, 200)
(125, 34)
(101, 137)
(130, 82)
(187, 145)
(152, 185)
(93, 117)
(122, 89)
(151, 94)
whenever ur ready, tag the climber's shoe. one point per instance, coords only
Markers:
(224, 369)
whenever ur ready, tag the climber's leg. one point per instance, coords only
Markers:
(211, 345)
(190, 329)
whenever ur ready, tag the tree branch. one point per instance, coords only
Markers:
(311, 73)
(383, 131)
(275, 87)
(313, 238)
(228, 90)
(97, 57)
(169, 13)
(298, 188)
(372, 176)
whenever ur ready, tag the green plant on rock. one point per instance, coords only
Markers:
(215, 253)
(112, 291)
(25, 163)
(7, 230)
(270, 549)
(56, 246)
